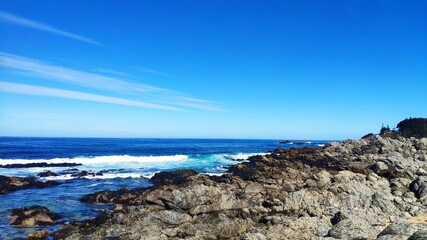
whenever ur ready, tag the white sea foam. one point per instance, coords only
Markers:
(99, 159)
(104, 176)
(243, 156)
(213, 174)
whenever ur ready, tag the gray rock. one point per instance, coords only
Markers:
(403, 228)
(253, 236)
(380, 168)
(254, 188)
(421, 172)
(419, 235)
(352, 229)
(172, 217)
(418, 186)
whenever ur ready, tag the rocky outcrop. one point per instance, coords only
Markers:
(11, 184)
(32, 216)
(362, 189)
(42, 164)
(176, 177)
(123, 195)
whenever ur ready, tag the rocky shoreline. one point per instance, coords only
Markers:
(373, 188)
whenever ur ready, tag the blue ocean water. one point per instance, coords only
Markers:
(123, 163)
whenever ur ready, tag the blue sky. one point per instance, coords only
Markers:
(211, 69)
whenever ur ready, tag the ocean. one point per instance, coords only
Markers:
(118, 163)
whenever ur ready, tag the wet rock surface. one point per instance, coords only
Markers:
(32, 216)
(355, 189)
(11, 184)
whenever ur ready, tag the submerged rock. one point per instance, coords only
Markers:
(47, 174)
(42, 164)
(32, 216)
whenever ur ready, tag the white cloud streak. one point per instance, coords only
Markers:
(145, 93)
(17, 20)
(147, 70)
(9, 87)
(109, 71)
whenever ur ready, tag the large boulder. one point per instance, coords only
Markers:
(352, 229)
(32, 216)
(175, 177)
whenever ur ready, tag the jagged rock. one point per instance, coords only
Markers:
(338, 217)
(303, 193)
(172, 217)
(123, 195)
(402, 229)
(352, 229)
(418, 186)
(253, 236)
(421, 172)
(11, 184)
(176, 177)
(38, 235)
(380, 168)
(47, 174)
(32, 216)
(254, 187)
(419, 235)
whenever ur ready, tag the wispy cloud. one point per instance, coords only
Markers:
(9, 87)
(144, 93)
(109, 71)
(17, 20)
(147, 70)
(46, 115)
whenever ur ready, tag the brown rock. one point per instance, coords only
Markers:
(32, 216)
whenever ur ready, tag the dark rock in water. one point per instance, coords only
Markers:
(123, 195)
(286, 142)
(418, 186)
(43, 164)
(32, 216)
(82, 174)
(11, 184)
(38, 235)
(176, 177)
(47, 174)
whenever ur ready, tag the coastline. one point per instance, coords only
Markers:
(368, 188)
